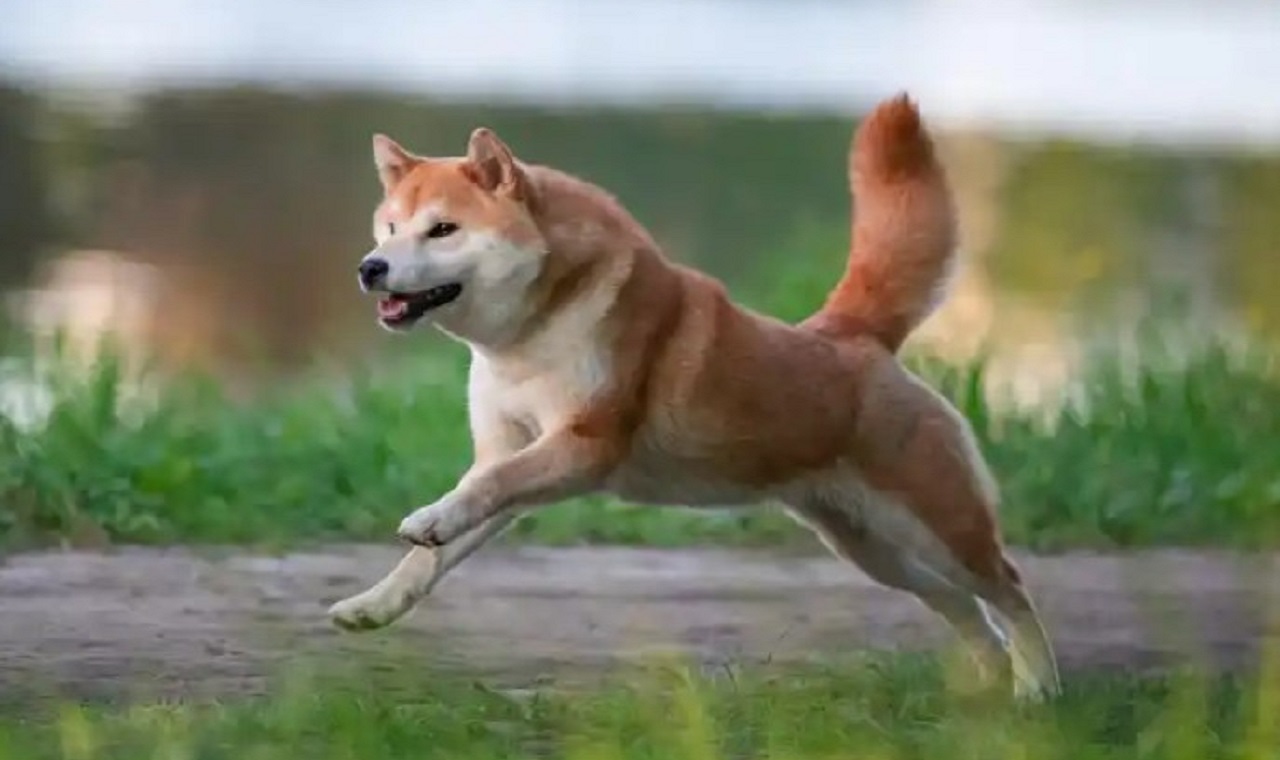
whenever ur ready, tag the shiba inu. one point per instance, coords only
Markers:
(600, 365)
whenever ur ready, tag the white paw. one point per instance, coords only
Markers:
(370, 610)
(1029, 692)
(436, 525)
(1028, 688)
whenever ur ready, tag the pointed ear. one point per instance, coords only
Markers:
(393, 161)
(492, 164)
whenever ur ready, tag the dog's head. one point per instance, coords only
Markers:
(457, 245)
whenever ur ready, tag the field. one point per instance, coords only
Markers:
(1157, 445)
(615, 652)
(894, 708)
(168, 653)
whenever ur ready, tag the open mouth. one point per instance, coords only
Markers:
(403, 308)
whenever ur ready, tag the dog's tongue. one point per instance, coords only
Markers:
(392, 308)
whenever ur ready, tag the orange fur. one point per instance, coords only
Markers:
(903, 231)
(604, 366)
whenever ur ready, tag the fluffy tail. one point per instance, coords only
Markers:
(903, 231)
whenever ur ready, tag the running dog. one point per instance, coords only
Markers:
(600, 365)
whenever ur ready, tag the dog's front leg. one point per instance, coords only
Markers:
(417, 574)
(557, 466)
(411, 580)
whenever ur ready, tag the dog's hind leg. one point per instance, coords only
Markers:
(890, 565)
(924, 485)
(1034, 658)
(412, 579)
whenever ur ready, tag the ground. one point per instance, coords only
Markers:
(146, 623)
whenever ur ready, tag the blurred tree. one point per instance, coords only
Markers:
(255, 204)
(1076, 220)
(25, 220)
(1251, 229)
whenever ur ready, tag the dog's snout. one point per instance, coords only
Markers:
(373, 272)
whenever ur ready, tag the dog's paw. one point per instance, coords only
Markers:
(370, 610)
(1029, 686)
(435, 525)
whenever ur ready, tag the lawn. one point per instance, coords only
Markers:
(874, 708)
(1159, 448)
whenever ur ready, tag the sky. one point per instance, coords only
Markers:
(1125, 69)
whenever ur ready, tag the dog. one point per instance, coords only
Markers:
(597, 364)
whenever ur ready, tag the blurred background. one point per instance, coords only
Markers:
(194, 179)
(194, 176)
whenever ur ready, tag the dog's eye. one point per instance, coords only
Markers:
(442, 229)
(391, 228)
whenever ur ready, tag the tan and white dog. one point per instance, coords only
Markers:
(600, 365)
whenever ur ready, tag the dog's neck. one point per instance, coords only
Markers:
(592, 242)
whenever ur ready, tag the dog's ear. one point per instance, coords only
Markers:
(393, 161)
(491, 165)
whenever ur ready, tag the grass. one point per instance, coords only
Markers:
(1157, 448)
(1154, 447)
(879, 708)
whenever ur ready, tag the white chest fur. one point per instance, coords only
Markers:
(556, 373)
(538, 393)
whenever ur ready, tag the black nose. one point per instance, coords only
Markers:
(373, 271)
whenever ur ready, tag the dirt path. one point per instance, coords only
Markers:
(171, 621)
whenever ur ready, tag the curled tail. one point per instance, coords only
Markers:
(904, 231)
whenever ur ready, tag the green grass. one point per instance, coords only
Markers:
(876, 709)
(1155, 449)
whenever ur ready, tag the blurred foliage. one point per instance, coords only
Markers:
(26, 223)
(1075, 217)
(1155, 445)
(256, 203)
(897, 707)
(1250, 231)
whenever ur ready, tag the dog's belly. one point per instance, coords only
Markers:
(651, 476)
